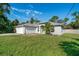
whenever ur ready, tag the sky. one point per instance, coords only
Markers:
(41, 11)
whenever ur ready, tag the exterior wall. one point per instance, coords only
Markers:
(29, 29)
(57, 30)
(20, 30)
(38, 29)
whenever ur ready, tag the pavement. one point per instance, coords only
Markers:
(8, 34)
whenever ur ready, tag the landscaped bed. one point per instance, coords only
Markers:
(39, 45)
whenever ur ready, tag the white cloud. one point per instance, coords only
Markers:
(18, 10)
(37, 12)
(27, 12)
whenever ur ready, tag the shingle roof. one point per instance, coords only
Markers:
(52, 23)
(35, 25)
(24, 25)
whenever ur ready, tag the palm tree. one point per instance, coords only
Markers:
(76, 15)
(32, 21)
(27, 21)
(66, 19)
(64, 23)
(15, 22)
(54, 19)
(4, 8)
(5, 24)
(37, 21)
(47, 27)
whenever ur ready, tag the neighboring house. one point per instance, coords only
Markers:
(29, 28)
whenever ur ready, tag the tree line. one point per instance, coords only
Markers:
(8, 26)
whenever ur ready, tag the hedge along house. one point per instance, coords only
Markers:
(29, 28)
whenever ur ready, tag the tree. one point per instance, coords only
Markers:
(15, 22)
(76, 17)
(47, 27)
(37, 21)
(4, 8)
(54, 19)
(76, 24)
(5, 26)
(66, 19)
(27, 21)
(9, 27)
(32, 21)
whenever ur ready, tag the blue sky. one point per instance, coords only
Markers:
(41, 11)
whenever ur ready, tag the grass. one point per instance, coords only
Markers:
(39, 45)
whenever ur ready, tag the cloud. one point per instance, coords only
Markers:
(37, 12)
(18, 10)
(27, 12)
(16, 16)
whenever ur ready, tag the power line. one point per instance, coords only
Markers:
(70, 9)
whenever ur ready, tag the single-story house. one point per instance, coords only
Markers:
(29, 28)
(36, 28)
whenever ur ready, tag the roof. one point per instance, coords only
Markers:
(27, 24)
(52, 23)
(36, 25)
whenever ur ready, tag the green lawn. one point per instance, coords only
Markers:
(39, 45)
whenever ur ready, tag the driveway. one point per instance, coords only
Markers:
(71, 31)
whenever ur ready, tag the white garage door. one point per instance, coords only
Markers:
(31, 30)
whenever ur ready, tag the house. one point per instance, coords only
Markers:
(37, 29)
(29, 28)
